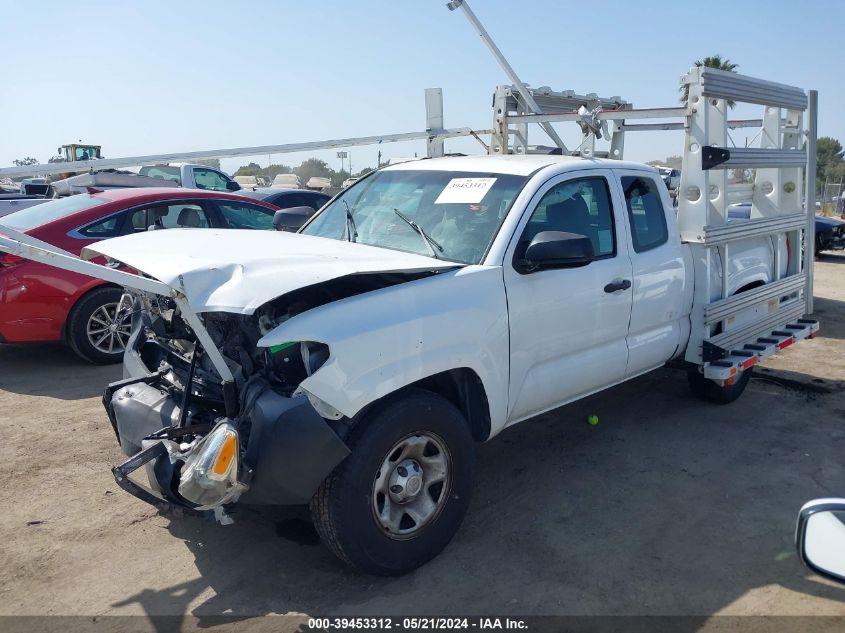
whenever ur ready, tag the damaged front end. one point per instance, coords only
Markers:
(212, 417)
(205, 441)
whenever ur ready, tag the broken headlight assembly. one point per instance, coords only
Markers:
(291, 363)
(209, 475)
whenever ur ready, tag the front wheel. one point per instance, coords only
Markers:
(711, 391)
(401, 495)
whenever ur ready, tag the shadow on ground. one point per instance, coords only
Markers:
(61, 373)
(831, 257)
(831, 315)
(667, 506)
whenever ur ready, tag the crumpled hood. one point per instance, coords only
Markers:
(232, 270)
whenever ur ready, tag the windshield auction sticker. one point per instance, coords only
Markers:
(465, 190)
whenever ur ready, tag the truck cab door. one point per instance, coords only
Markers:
(568, 326)
(659, 315)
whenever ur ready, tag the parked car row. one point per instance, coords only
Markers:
(41, 303)
(287, 198)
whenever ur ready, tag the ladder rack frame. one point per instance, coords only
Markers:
(785, 172)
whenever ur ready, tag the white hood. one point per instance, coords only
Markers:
(230, 270)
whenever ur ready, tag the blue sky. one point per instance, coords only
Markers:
(154, 76)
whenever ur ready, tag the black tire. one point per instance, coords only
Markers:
(708, 390)
(343, 508)
(86, 309)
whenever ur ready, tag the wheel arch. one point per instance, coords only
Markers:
(749, 286)
(462, 387)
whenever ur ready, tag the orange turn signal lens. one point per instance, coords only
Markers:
(225, 455)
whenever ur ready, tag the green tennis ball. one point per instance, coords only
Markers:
(593, 419)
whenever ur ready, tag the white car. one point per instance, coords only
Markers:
(286, 181)
(246, 182)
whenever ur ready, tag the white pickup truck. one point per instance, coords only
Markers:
(187, 175)
(191, 176)
(356, 365)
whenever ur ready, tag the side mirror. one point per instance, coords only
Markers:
(820, 537)
(291, 219)
(231, 185)
(557, 249)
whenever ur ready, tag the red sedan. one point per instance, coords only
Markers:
(42, 303)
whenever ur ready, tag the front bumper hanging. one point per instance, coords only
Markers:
(287, 451)
(121, 475)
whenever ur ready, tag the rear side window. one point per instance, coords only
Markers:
(169, 216)
(316, 202)
(41, 214)
(165, 172)
(290, 200)
(645, 213)
(103, 228)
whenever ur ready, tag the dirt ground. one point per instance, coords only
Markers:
(669, 506)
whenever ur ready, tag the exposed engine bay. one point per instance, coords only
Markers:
(168, 339)
(204, 441)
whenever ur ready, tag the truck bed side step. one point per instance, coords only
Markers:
(738, 360)
(723, 308)
(788, 311)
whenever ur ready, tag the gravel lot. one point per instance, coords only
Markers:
(668, 506)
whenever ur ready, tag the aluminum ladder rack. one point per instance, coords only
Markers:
(784, 175)
(731, 332)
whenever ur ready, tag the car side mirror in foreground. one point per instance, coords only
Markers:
(231, 185)
(557, 249)
(820, 537)
(291, 219)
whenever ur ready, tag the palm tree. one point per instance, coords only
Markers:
(714, 61)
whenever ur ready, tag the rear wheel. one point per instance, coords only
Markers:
(401, 495)
(99, 325)
(711, 391)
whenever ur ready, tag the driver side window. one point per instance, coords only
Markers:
(580, 206)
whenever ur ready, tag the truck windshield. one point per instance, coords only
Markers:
(458, 213)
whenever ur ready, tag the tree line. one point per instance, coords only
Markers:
(307, 169)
